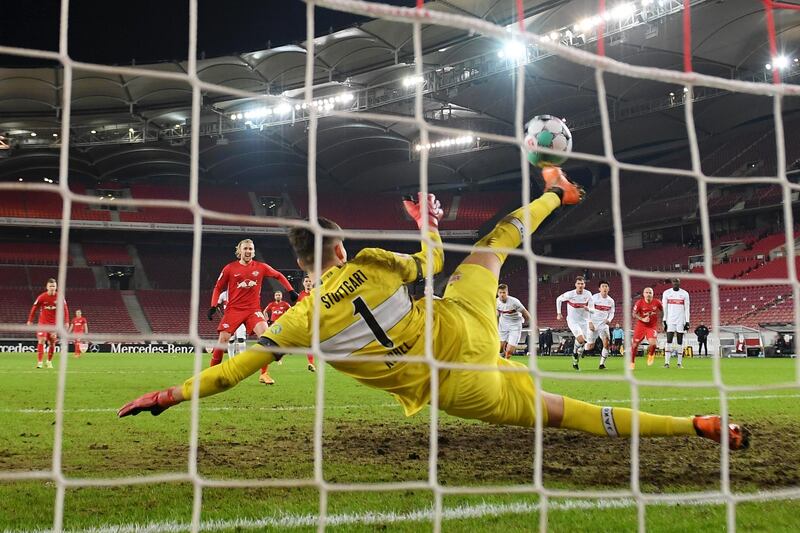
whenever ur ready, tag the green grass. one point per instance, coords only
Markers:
(257, 432)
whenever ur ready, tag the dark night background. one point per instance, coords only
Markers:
(147, 31)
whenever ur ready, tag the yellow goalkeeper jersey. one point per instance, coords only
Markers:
(366, 310)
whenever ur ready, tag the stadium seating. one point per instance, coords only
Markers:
(106, 254)
(25, 204)
(103, 308)
(77, 277)
(14, 276)
(29, 253)
(15, 304)
(167, 311)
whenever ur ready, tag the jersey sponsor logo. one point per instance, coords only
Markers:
(607, 415)
(602, 307)
(675, 301)
(246, 284)
(348, 286)
(577, 305)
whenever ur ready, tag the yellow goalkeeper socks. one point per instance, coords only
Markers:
(508, 232)
(617, 421)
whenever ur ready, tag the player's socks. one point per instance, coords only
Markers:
(667, 354)
(603, 357)
(50, 350)
(617, 421)
(231, 350)
(680, 356)
(310, 358)
(39, 352)
(216, 357)
(264, 369)
(508, 232)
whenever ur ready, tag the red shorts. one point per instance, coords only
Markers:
(233, 318)
(641, 332)
(46, 334)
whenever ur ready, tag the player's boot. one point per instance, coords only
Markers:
(710, 427)
(48, 364)
(651, 359)
(265, 379)
(666, 365)
(39, 364)
(601, 367)
(311, 367)
(680, 365)
(554, 178)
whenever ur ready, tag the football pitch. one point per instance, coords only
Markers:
(259, 432)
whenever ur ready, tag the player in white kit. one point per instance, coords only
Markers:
(238, 341)
(602, 313)
(511, 315)
(676, 320)
(578, 302)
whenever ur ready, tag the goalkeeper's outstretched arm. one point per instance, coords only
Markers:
(212, 380)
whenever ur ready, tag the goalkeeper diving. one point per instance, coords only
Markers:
(366, 310)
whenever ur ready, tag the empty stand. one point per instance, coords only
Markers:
(168, 311)
(106, 254)
(103, 308)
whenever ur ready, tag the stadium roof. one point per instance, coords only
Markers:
(128, 125)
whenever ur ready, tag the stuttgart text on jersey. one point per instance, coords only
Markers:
(347, 287)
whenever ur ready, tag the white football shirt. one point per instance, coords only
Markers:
(510, 313)
(577, 304)
(676, 306)
(603, 309)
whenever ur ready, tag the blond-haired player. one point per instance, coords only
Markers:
(366, 311)
(243, 280)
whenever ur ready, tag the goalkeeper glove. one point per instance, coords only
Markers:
(156, 402)
(211, 311)
(413, 207)
(293, 296)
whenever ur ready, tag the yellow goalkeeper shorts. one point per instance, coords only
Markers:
(468, 334)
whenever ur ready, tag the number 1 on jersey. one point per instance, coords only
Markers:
(369, 318)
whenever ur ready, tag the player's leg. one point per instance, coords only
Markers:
(259, 328)
(512, 342)
(509, 231)
(77, 348)
(604, 353)
(51, 348)
(231, 347)
(651, 348)
(668, 346)
(680, 349)
(40, 339)
(222, 340)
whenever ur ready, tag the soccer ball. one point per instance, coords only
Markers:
(547, 131)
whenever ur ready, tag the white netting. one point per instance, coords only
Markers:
(416, 18)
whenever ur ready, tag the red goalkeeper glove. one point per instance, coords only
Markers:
(413, 207)
(156, 402)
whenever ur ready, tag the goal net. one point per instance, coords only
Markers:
(428, 132)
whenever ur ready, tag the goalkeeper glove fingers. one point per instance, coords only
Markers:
(414, 209)
(293, 296)
(156, 402)
(211, 312)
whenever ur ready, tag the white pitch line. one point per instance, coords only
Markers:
(291, 521)
(32, 411)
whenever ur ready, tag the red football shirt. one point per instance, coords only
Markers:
(79, 324)
(275, 309)
(648, 310)
(47, 304)
(302, 295)
(244, 284)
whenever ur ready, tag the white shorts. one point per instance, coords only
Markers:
(600, 330)
(240, 335)
(511, 336)
(677, 327)
(579, 328)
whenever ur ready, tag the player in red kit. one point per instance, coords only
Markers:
(243, 280)
(46, 302)
(78, 326)
(307, 286)
(646, 312)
